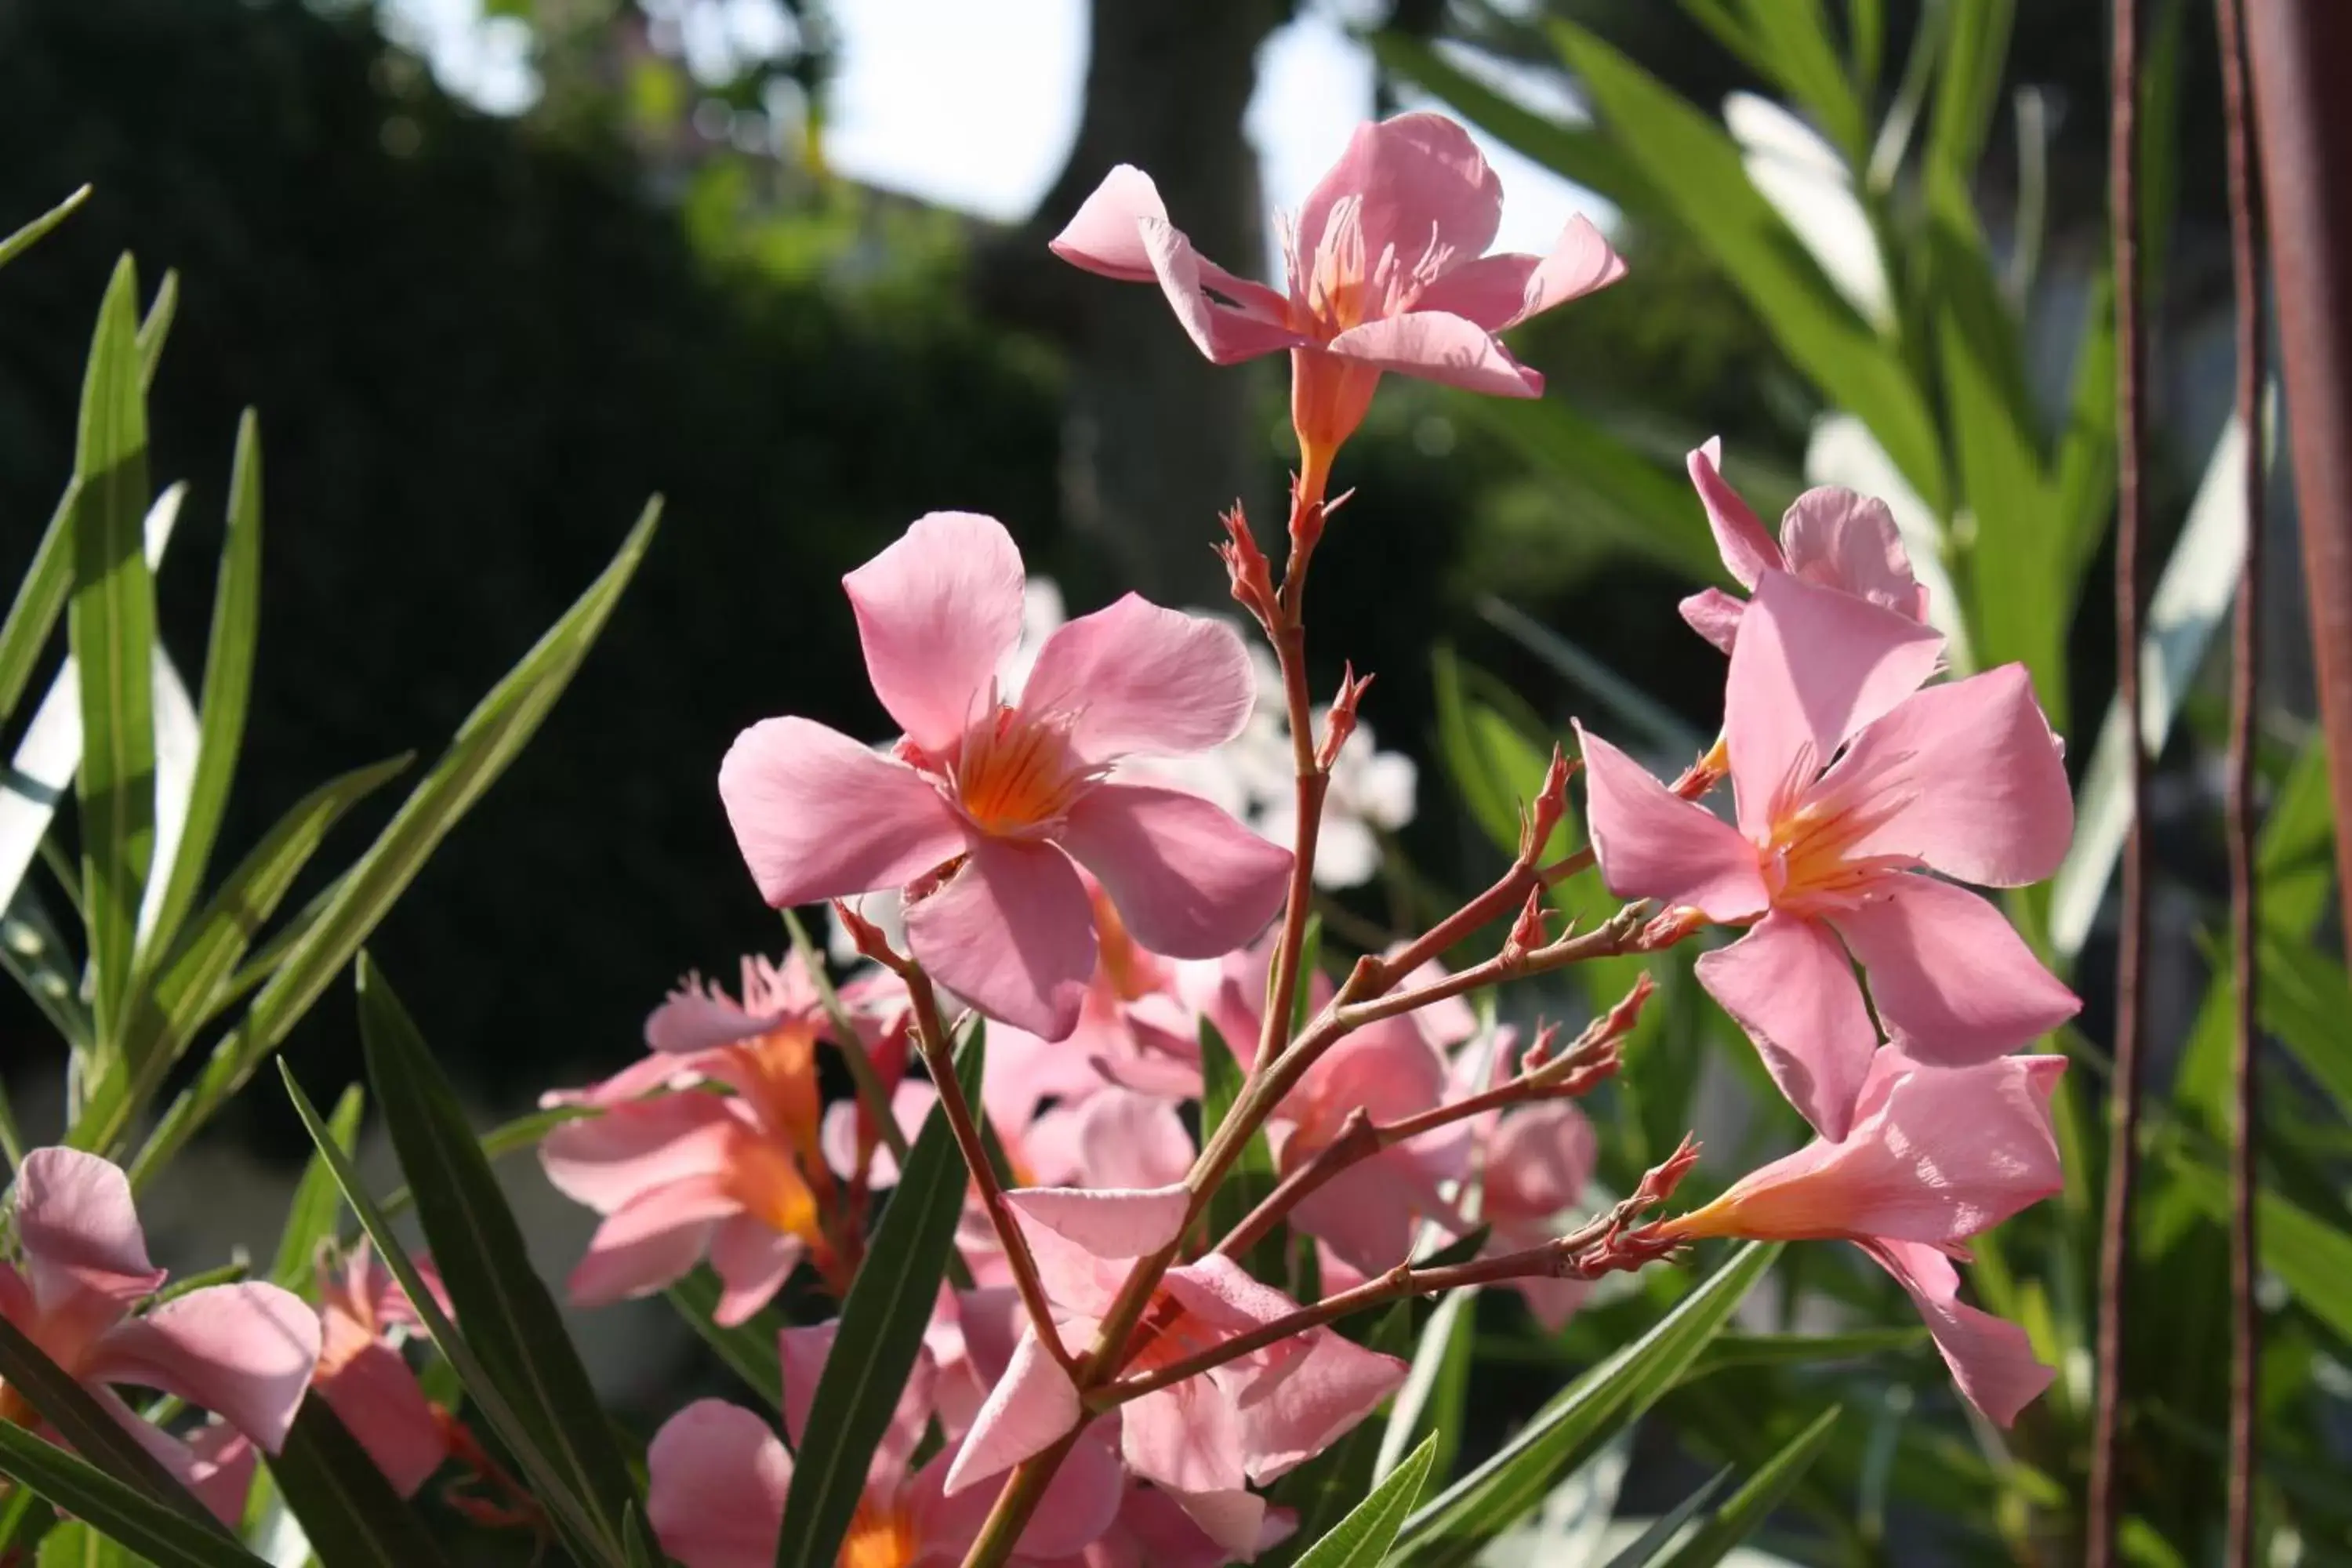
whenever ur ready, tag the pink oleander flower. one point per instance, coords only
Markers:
(742, 1176)
(243, 1351)
(1152, 1530)
(990, 796)
(1205, 1440)
(1829, 536)
(1852, 784)
(1536, 1165)
(719, 1479)
(1936, 1156)
(361, 1375)
(682, 1176)
(1387, 271)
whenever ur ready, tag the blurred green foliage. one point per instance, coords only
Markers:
(474, 347)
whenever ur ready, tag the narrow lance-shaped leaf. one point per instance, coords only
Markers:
(348, 1511)
(111, 628)
(882, 1323)
(311, 1214)
(1644, 1548)
(489, 739)
(510, 1320)
(749, 1349)
(94, 1433)
(165, 1538)
(17, 244)
(228, 686)
(175, 1004)
(1251, 1177)
(1604, 1402)
(570, 1517)
(41, 594)
(1748, 1507)
(1362, 1539)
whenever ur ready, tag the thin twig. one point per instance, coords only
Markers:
(849, 1042)
(931, 1036)
(2123, 1141)
(2245, 691)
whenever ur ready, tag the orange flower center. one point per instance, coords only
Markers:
(879, 1537)
(767, 1181)
(1014, 773)
(1809, 855)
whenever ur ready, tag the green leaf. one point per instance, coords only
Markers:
(1322, 1490)
(548, 1486)
(1801, 1350)
(881, 1330)
(1697, 170)
(2020, 597)
(511, 1322)
(24, 239)
(489, 739)
(1579, 1419)
(158, 1534)
(749, 1348)
(41, 594)
(1578, 153)
(2310, 1257)
(179, 1000)
(1644, 1548)
(1362, 1539)
(348, 1511)
(1793, 38)
(228, 685)
(1749, 1506)
(2083, 472)
(110, 626)
(1251, 1178)
(1968, 85)
(637, 1539)
(1605, 485)
(318, 1202)
(95, 1434)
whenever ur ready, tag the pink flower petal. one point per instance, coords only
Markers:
(1321, 1394)
(1651, 844)
(216, 1463)
(1030, 1408)
(1102, 236)
(1186, 1437)
(1715, 615)
(1234, 1519)
(1225, 332)
(1812, 667)
(1552, 1302)
(647, 1244)
(717, 1481)
(697, 1017)
(1953, 981)
(1365, 1215)
(1990, 1358)
(936, 613)
(1748, 551)
(609, 1161)
(1848, 541)
(1440, 348)
(1500, 291)
(1115, 1223)
(1133, 676)
(817, 815)
(639, 1078)
(752, 1261)
(79, 1233)
(1976, 778)
(1939, 1155)
(1419, 181)
(243, 1351)
(1538, 1162)
(1789, 984)
(376, 1395)
(1188, 880)
(1013, 933)
(1133, 1140)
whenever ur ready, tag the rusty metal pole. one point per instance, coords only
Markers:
(2299, 50)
